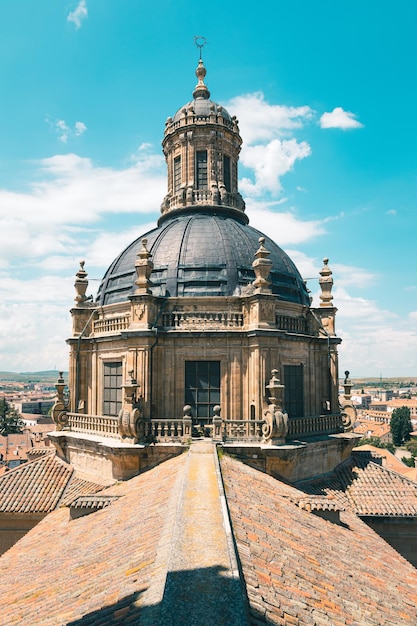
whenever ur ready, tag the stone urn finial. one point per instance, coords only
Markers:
(347, 409)
(262, 266)
(81, 284)
(275, 427)
(326, 284)
(144, 267)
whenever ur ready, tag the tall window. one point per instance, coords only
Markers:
(294, 390)
(112, 388)
(226, 173)
(201, 169)
(202, 388)
(177, 173)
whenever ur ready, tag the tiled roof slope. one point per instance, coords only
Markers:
(34, 487)
(39, 485)
(367, 488)
(79, 487)
(94, 569)
(383, 457)
(302, 570)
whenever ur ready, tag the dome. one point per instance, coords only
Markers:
(203, 108)
(202, 254)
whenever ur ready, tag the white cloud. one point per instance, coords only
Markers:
(392, 212)
(374, 339)
(64, 131)
(266, 150)
(79, 128)
(269, 163)
(339, 118)
(261, 121)
(413, 315)
(284, 228)
(349, 275)
(79, 14)
(40, 342)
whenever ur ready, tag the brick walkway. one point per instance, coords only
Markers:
(202, 586)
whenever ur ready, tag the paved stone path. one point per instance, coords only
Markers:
(202, 586)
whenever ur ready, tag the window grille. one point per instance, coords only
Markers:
(294, 390)
(201, 169)
(202, 388)
(112, 388)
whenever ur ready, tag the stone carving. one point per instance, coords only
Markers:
(326, 284)
(144, 267)
(81, 284)
(60, 408)
(348, 411)
(275, 427)
(130, 415)
(262, 266)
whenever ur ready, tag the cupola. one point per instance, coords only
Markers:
(201, 146)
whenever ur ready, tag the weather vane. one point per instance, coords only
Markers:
(200, 42)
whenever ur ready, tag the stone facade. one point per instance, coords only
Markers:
(247, 317)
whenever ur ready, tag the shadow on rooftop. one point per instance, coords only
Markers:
(197, 597)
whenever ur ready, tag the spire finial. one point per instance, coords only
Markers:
(200, 42)
(200, 90)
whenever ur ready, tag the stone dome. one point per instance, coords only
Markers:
(202, 254)
(203, 245)
(202, 107)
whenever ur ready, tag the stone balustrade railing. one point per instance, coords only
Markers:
(202, 319)
(192, 118)
(323, 424)
(201, 196)
(291, 324)
(242, 430)
(166, 430)
(103, 425)
(111, 324)
(174, 430)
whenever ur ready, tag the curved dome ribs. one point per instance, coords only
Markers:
(203, 245)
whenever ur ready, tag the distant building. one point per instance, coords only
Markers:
(37, 407)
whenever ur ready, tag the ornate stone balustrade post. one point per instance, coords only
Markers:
(327, 310)
(187, 422)
(217, 424)
(275, 428)
(347, 408)
(60, 408)
(262, 267)
(129, 416)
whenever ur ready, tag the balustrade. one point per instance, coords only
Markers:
(103, 425)
(242, 430)
(111, 324)
(203, 319)
(172, 430)
(292, 324)
(166, 430)
(319, 424)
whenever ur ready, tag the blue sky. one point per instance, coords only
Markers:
(326, 96)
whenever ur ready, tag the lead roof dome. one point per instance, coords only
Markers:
(202, 254)
(203, 245)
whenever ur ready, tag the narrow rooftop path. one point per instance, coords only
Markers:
(202, 587)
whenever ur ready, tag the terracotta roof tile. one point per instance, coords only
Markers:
(94, 569)
(41, 485)
(78, 487)
(367, 488)
(302, 569)
(34, 487)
